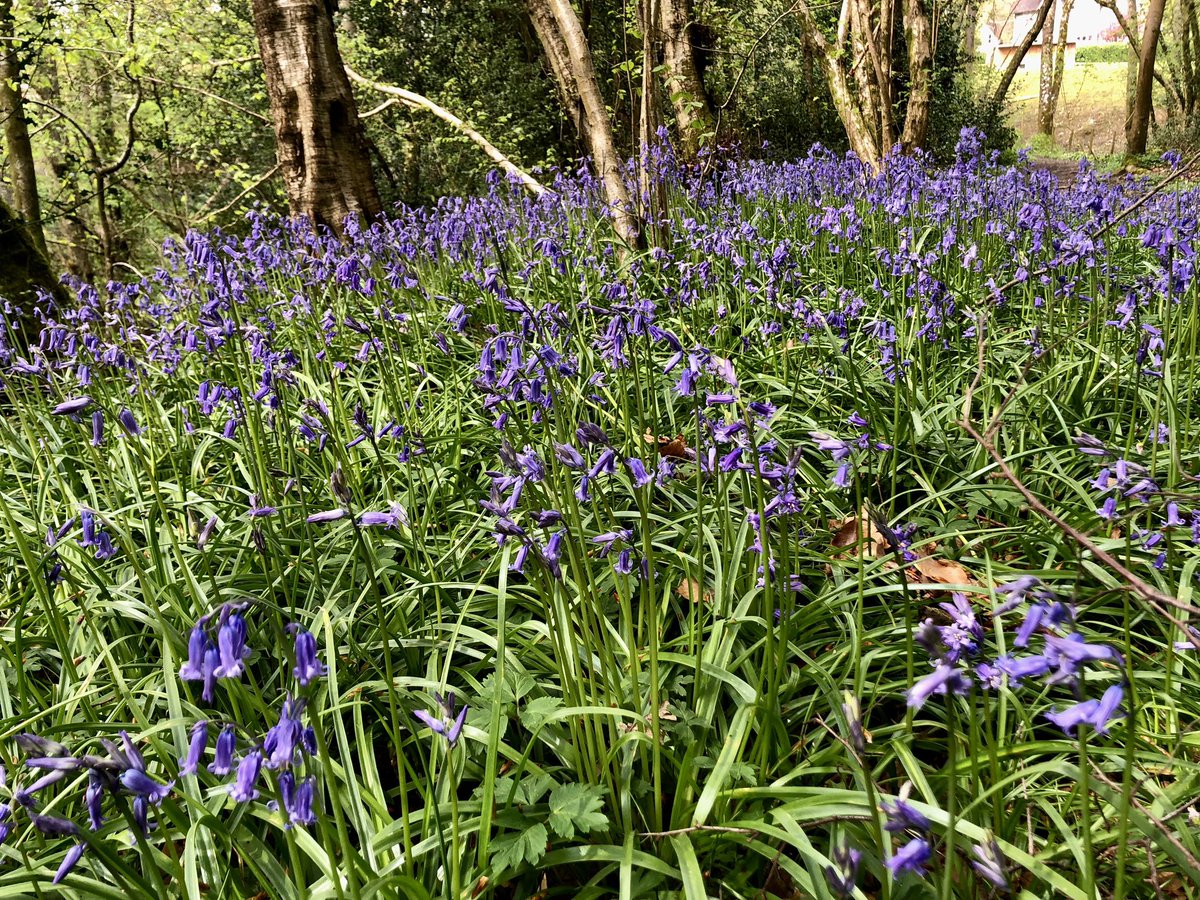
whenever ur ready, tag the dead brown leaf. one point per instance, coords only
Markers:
(691, 590)
(939, 571)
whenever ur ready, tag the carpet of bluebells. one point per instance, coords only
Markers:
(476, 555)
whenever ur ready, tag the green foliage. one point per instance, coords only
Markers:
(1102, 53)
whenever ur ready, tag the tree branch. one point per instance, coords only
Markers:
(418, 101)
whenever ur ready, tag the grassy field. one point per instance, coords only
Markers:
(843, 545)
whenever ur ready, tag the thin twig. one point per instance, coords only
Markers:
(1159, 825)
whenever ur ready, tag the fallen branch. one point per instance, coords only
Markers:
(418, 101)
(1158, 600)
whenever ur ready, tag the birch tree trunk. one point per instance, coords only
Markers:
(1046, 81)
(1014, 62)
(1139, 122)
(21, 166)
(689, 101)
(319, 139)
(918, 36)
(546, 29)
(597, 126)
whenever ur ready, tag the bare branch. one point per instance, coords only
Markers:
(418, 101)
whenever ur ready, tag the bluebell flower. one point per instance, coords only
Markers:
(97, 428)
(637, 470)
(308, 666)
(844, 871)
(944, 679)
(69, 862)
(222, 762)
(231, 642)
(129, 423)
(902, 816)
(283, 739)
(212, 662)
(199, 740)
(989, 863)
(912, 857)
(138, 782)
(71, 407)
(329, 515)
(206, 533)
(300, 809)
(198, 642)
(244, 788)
(53, 826)
(93, 799)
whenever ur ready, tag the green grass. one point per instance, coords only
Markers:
(632, 732)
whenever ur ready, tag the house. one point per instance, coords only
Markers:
(1004, 27)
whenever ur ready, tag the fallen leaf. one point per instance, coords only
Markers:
(690, 589)
(940, 571)
(847, 534)
(671, 447)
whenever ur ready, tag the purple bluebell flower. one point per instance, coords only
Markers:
(206, 533)
(53, 826)
(300, 809)
(212, 662)
(129, 423)
(308, 666)
(69, 862)
(912, 857)
(138, 782)
(71, 407)
(97, 428)
(844, 871)
(903, 816)
(568, 456)
(637, 471)
(199, 740)
(329, 515)
(989, 863)
(198, 642)
(283, 740)
(244, 788)
(93, 799)
(223, 757)
(231, 642)
(944, 679)
(259, 512)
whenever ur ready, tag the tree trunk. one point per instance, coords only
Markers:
(1131, 62)
(1139, 123)
(652, 192)
(689, 101)
(1058, 66)
(24, 273)
(16, 130)
(319, 139)
(597, 124)
(918, 35)
(1046, 82)
(546, 28)
(970, 25)
(1014, 62)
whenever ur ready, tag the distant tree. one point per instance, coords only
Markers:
(1138, 128)
(21, 164)
(320, 144)
(25, 273)
(685, 86)
(1018, 57)
(1053, 60)
(855, 55)
(570, 56)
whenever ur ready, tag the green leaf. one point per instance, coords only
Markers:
(576, 806)
(510, 850)
(538, 711)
